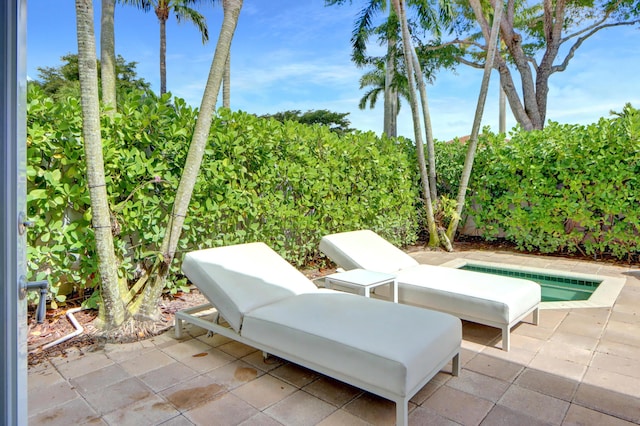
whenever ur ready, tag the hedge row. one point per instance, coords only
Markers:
(261, 180)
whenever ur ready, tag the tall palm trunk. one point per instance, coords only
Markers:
(108, 56)
(162, 12)
(492, 39)
(399, 7)
(148, 306)
(226, 84)
(112, 311)
(390, 93)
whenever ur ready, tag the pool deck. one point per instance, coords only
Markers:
(578, 366)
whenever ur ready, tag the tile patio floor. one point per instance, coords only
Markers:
(579, 366)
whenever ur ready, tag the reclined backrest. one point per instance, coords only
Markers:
(365, 249)
(237, 279)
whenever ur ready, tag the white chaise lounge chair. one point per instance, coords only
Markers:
(387, 349)
(495, 301)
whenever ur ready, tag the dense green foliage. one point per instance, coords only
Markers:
(261, 180)
(336, 121)
(566, 188)
(63, 81)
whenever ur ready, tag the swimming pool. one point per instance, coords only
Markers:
(554, 288)
(560, 289)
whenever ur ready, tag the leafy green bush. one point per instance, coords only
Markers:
(261, 180)
(565, 188)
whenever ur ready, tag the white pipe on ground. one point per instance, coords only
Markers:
(76, 325)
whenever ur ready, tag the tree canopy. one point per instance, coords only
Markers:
(336, 121)
(63, 80)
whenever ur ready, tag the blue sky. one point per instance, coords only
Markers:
(291, 54)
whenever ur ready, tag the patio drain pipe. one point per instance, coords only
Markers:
(76, 325)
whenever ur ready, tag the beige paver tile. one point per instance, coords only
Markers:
(622, 332)
(186, 349)
(342, 418)
(479, 385)
(234, 374)
(332, 391)
(180, 420)
(458, 406)
(43, 376)
(534, 404)
(613, 381)
(425, 416)
(300, 409)
(552, 318)
(99, 379)
(576, 340)
(427, 390)
(579, 416)
(547, 384)
(121, 352)
(606, 401)
(73, 412)
(146, 362)
(193, 392)
(118, 395)
(527, 343)
(78, 366)
(294, 374)
(260, 419)
(535, 331)
(236, 349)
(494, 367)
(515, 355)
(167, 376)
(504, 416)
(214, 340)
(373, 409)
(227, 410)
(626, 313)
(579, 324)
(557, 366)
(207, 360)
(619, 349)
(264, 391)
(152, 410)
(48, 397)
(257, 359)
(563, 351)
(617, 364)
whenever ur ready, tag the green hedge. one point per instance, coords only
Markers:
(261, 180)
(566, 188)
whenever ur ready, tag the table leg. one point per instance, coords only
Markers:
(394, 284)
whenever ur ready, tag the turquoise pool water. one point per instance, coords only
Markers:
(555, 288)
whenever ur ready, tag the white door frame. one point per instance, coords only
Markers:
(13, 308)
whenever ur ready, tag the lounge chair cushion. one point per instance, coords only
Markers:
(474, 296)
(365, 249)
(386, 345)
(243, 277)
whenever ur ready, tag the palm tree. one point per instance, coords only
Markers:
(183, 11)
(376, 82)
(108, 56)
(112, 312)
(147, 303)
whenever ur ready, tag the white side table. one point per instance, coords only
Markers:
(361, 279)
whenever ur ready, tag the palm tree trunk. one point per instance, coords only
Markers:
(226, 84)
(492, 48)
(390, 94)
(399, 7)
(163, 56)
(111, 309)
(108, 56)
(149, 299)
(428, 129)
